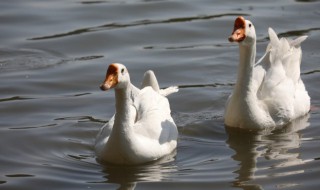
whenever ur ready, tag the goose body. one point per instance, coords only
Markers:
(142, 129)
(268, 93)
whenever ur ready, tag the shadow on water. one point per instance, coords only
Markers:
(128, 177)
(272, 145)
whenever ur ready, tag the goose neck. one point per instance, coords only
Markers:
(125, 111)
(245, 70)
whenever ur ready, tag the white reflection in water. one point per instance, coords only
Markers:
(266, 146)
(128, 177)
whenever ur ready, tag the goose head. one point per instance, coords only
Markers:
(117, 77)
(243, 32)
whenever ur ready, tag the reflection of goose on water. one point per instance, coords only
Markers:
(142, 129)
(273, 145)
(270, 92)
(128, 177)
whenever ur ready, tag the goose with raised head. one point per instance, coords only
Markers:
(268, 93)
(142, 129)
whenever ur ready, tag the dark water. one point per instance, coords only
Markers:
(53, 56)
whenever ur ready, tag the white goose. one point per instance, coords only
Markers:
(142, 129)
(269, 93)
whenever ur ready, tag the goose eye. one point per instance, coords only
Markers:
(249, 25)
(122, 71)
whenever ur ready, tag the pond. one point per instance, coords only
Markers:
(54, 55)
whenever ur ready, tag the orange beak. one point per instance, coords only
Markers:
(238, 34)
(111, 79)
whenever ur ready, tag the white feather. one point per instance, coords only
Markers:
(142, 130)
(272, 92)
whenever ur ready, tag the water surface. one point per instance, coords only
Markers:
(54, 54)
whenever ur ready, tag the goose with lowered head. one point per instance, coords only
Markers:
(142, 129)
(268, 93)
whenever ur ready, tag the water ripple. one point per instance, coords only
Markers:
(311, 72)
(81, 119)
(189, 46)
(19, 175)
(297, 32)
(14, 98)
(35, 127)
(137, 23)
(205, 85)
(23, 59)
